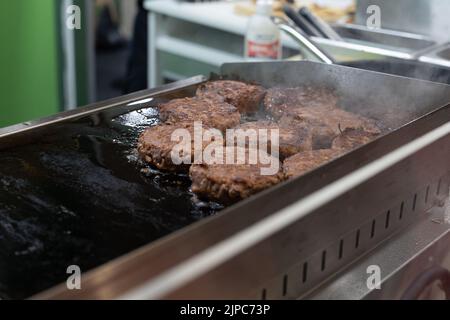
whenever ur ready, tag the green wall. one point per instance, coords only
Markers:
(29, 82)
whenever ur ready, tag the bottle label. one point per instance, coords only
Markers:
(268, 50)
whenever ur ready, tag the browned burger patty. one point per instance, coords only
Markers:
(303, 162)
(245, 97)
(228, 183)
(327, 122)
(279, 101)
(352, 138)
(291, 139)
(212, 113)
(155, 146)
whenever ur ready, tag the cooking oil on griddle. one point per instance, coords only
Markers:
(80, 196)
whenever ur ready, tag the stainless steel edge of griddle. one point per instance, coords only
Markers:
(393, 40)
(280, 237)
(97, 107)
(399, 262)
(323, 244)
(439, 56)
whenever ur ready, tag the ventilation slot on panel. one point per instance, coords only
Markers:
(372, 230)
(388, 216)
(400, 216)
(285, 285)
(357, 239)
(426, 194)
(414, 202)
(305, 272)
(324, 261)
(341, 249)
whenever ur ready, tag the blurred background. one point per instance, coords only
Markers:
(47, 68)
(129, 45)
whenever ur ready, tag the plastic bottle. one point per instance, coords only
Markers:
(262, 41)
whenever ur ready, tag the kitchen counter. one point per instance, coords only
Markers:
(187, 39)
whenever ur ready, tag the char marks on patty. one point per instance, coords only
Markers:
(291, 139)
(326, 123)
(156, 145)
(303, 162)
(228, 183)
(211, 112)
(245, 97)
(352, 138)
(279, 101)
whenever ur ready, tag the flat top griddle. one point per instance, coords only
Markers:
(80, 196)
(77, 195)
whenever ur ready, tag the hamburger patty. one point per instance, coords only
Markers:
(303, 162)
(352, 138)
(228, 183)
(212, 113)
(155, 146)
(279, 101)
(327, 122)
(245, 97)
(312, 131)
(291, 140)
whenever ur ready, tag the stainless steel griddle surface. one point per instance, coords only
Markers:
(80, 196)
